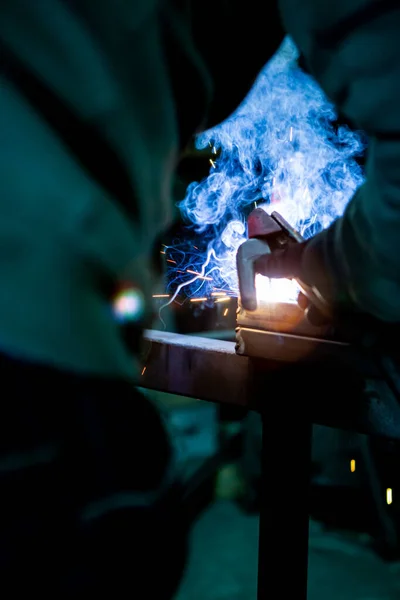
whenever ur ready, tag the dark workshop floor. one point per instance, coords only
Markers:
(223, 562)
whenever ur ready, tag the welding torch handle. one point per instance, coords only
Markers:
(245, 262)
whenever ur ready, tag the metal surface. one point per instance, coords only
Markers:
(287, 347)
(329, 381)
(195, 367)
(281, 317)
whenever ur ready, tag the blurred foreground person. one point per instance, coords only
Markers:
(97, 99)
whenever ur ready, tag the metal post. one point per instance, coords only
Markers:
(283, 533)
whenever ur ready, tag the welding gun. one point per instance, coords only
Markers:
(268, 233)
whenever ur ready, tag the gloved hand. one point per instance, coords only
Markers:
(311, 263)
(289, 263)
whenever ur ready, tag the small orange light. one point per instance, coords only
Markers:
(352, 465)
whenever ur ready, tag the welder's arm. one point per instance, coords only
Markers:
(355, 264)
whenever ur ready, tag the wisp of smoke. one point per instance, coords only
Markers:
(282, 147)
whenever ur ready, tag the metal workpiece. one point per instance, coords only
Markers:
(280, 317)
(327, 379)
(193, 366)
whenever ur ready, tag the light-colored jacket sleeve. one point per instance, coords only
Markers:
(352, 48)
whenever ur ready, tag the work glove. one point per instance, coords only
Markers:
(309, 263)
(313, 264)
(319, 264)
(288, 264)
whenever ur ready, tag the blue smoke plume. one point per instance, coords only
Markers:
(281, 146)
